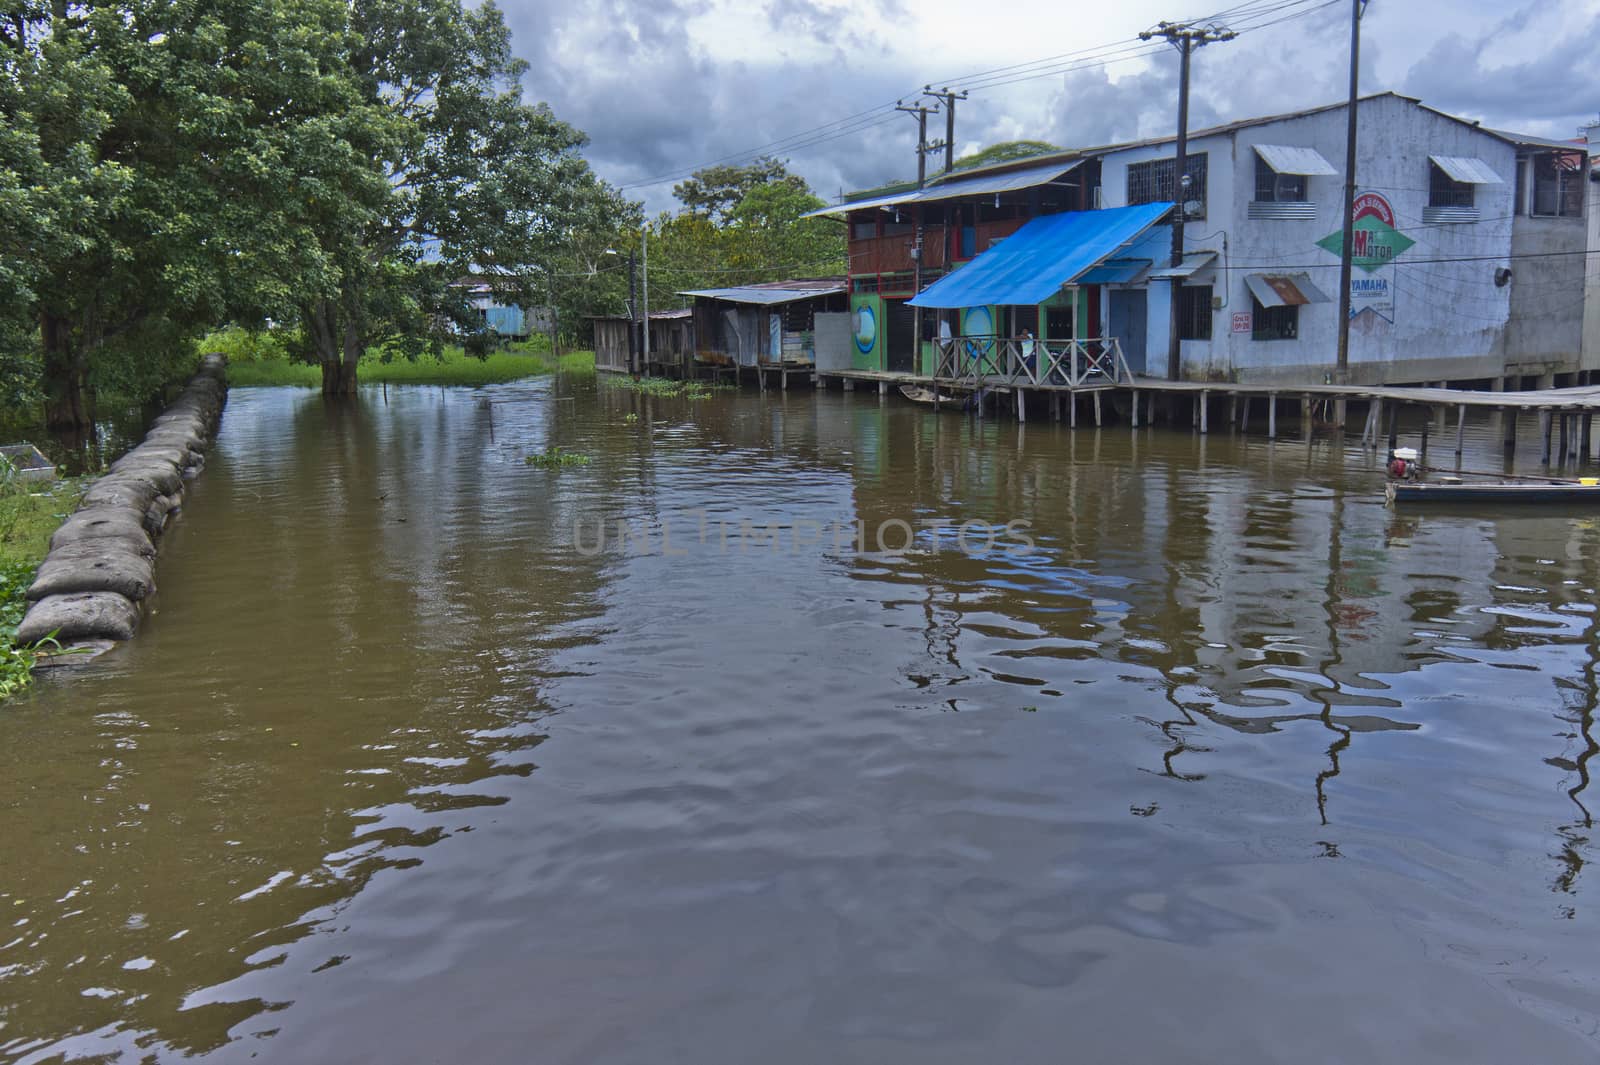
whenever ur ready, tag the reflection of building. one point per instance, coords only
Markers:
(1466, 246)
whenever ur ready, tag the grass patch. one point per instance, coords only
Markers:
(556, 457)
(262, 360)
(29, 513)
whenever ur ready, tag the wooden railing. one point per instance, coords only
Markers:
(992, 360)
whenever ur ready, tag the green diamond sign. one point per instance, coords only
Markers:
(1376, 242)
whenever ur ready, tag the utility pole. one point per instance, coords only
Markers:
(644, 283)
(1185, 37)
(922, 112)
(949, 98)
(1341, 373)
(633, 313)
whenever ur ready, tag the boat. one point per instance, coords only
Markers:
(918, 394)
(1586, 491)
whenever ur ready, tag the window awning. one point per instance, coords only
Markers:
(1284, 290)
(1032, 264)
(1115, 272)
(1467, 169)
(956, 187)
(1193, 262)
(1286, 159)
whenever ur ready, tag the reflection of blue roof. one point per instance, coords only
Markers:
(1032, 264)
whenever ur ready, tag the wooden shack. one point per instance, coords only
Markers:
(671, 342)
(768, 324)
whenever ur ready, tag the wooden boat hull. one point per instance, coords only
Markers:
(918, 394)
(1519, 494)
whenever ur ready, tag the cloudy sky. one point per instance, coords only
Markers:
(665, 86)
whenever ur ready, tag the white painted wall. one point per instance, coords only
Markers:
(1450, 318)
(1591, 288)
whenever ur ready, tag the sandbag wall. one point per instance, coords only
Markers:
(100, 569)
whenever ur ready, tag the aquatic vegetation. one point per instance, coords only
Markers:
(556, 457)
(672, 388)
(630, 418)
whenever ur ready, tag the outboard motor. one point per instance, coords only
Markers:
(1403, 464)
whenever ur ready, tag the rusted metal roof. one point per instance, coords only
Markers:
(771, 293)
(1284, 290)
(957, 186)
(1192, 262)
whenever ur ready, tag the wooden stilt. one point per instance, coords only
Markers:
(848, 384)
(1510, 417)
(1205, 407)
(1583, 444)
(1072, 402)
(1305, 414)
(1394, 426)
(1233, 409)
(1136, 408)
(1544, 434)
(1022, 406)
(1461, 426)
(1150, 410)
(1272, 415)
(1097, 408)
(1561, 453)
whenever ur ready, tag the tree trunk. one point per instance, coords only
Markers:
(338, 378)
(65, 378)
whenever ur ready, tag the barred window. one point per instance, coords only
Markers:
(863, 230)
(1194, 312)
(1152, 181)
(1446, 191)
(1558, 184)
(1274, 323)
(1273, 187)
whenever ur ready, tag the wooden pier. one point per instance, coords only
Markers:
(1565, 415)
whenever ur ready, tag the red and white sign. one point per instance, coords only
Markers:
(1241, 322)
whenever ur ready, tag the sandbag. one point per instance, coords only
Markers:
(103, 566)
(80, 616)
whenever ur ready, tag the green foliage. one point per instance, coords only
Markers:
(714, 192)
(555, 457)
(1005, 152)
(630, 418)
(251, 345)
(671, 388)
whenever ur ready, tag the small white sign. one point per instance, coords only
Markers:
(1241, 322)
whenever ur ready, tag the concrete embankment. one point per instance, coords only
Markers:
(91, 588)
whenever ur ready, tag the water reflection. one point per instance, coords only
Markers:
(397, 771)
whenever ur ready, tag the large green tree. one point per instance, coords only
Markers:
(475, 181)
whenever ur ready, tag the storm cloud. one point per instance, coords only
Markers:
(665, 86)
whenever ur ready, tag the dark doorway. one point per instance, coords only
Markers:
(1128, 325)
(901, 346)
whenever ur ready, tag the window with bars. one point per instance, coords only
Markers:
(1194, 312)
(1446, 191)
(863, 230)
(1557, 184)
(1152, 181)
(1274, 323)
(1273, 187)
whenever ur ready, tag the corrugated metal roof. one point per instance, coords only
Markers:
(1284, 290)
(765, 296)
(1032, 264)
(1289, 159)
(1467, 169)
(1192, 262)
(956, 187)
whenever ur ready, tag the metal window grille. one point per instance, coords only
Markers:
(1558, 184)
(1445, 191)
(1273, 187)
(1152, 181)
(1274, 323)
(1194, 313)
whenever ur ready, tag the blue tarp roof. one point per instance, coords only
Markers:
(1032, 264)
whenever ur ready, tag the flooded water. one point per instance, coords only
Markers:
(1232, 764)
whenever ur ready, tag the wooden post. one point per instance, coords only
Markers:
(883, 388)
(1272, 415)
(1509, 416)
(1461, 426)
(1583, 443)
(1072, 401)
(1561, 454)
(1136, 408)
(1205, 407)
(1022, 406)
(1544, 434)
(1394, 426)
(1233, 409)
(1427, 424)
(1097, 408)
(1305, 414)
(849, 384)
(1150, 410)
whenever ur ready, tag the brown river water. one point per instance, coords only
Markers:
(1234, 763)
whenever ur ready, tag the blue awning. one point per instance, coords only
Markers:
(1032, 264)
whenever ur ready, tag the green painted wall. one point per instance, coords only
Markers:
(873, 357)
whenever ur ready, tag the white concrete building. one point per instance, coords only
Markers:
(1591, 300)
(1470, 266)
